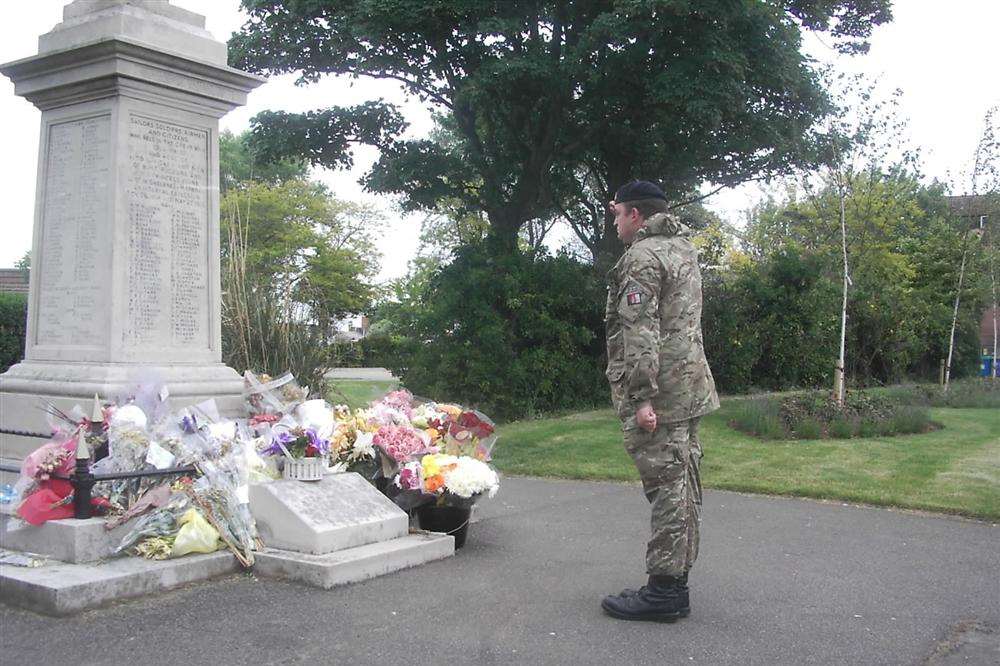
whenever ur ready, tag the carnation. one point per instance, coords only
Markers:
(469, 477)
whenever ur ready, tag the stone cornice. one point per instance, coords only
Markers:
(53, 79)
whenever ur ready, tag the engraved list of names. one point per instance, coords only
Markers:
(167, 280)
(75, 203)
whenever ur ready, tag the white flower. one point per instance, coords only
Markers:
(317, 416)
(471, 477)
(425, 413)
(385, 415)
(129, 415)
(223, 431)
(364, 446)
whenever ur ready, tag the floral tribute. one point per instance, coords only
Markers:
(197, 498)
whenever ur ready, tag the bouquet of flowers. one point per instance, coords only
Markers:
(446, 480)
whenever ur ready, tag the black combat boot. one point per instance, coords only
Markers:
(662, 599)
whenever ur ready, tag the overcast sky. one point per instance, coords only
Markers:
(943, 56)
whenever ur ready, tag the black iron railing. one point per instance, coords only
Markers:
(83, 480)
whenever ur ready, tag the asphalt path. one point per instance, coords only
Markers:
(779, 581)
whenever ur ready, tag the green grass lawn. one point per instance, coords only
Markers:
(357, 392)
(953, 470)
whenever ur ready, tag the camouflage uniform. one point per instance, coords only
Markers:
(656, 353)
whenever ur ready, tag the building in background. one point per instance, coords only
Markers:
(13, 280)
(353, 330)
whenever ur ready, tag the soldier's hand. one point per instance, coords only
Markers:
(645, 417)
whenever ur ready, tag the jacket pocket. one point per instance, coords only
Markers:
(616, 356)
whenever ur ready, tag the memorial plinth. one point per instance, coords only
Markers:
(125, 283)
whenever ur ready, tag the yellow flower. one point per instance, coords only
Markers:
(429, 465)
(451, 410)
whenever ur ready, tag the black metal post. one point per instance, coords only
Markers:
(83, 482)
(101, 443)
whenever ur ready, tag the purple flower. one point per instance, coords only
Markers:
(189, 425)
(279, 439)
(321, 445)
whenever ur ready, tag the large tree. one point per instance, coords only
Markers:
(554, 103)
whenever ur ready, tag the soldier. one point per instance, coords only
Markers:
(661, 386)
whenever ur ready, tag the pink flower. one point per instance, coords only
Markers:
(401, 400)
(400, 442)
(409, 478)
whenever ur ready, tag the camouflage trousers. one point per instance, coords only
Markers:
(668, 460)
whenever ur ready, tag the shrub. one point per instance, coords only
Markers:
(909, 419)
(13, 325)
(513, 335)
(808, 428)
(978, 392)
(870, 428)
(760, 417)
(814, 414)
(841, 428)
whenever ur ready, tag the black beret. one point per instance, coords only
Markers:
(639, 189)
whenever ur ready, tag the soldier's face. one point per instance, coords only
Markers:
(627, 221)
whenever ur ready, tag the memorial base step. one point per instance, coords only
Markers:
(353, 565)
(59, 588)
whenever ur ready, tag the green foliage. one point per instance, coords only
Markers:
(539, 93)
(759, 417)
(770, 324)
(13, 328)
(977, 392)
(905, 250)
(312, 248)
(807, 428)
(815, 414)
(294, 258)
(264, 333)
(238, 166)
(510, 335)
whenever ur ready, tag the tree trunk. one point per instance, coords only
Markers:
(609, 248)
(838, 381)
(954, 317)
(993, 288)
(502, 234)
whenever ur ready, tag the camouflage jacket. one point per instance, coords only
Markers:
(653, 323)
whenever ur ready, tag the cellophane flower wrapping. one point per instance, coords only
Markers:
(264, 395)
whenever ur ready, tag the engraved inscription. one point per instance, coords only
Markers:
(167, 296)
(77, 171)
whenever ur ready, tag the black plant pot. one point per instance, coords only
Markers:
(451, 520)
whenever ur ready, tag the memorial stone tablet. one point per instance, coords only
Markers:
(167, 301)
(76, 191)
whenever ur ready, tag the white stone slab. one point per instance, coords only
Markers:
(354, 564)
(69, 540)
(154, 22)
(63, 589)
(318, 517)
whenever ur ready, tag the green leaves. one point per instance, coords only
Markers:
(542, 96)
(324, 138)
(308, 246)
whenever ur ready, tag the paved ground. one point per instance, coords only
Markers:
(780, 581)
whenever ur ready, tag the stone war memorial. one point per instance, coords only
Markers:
(125, 289)
(125, 274)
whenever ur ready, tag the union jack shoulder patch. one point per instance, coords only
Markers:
(634, 297)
